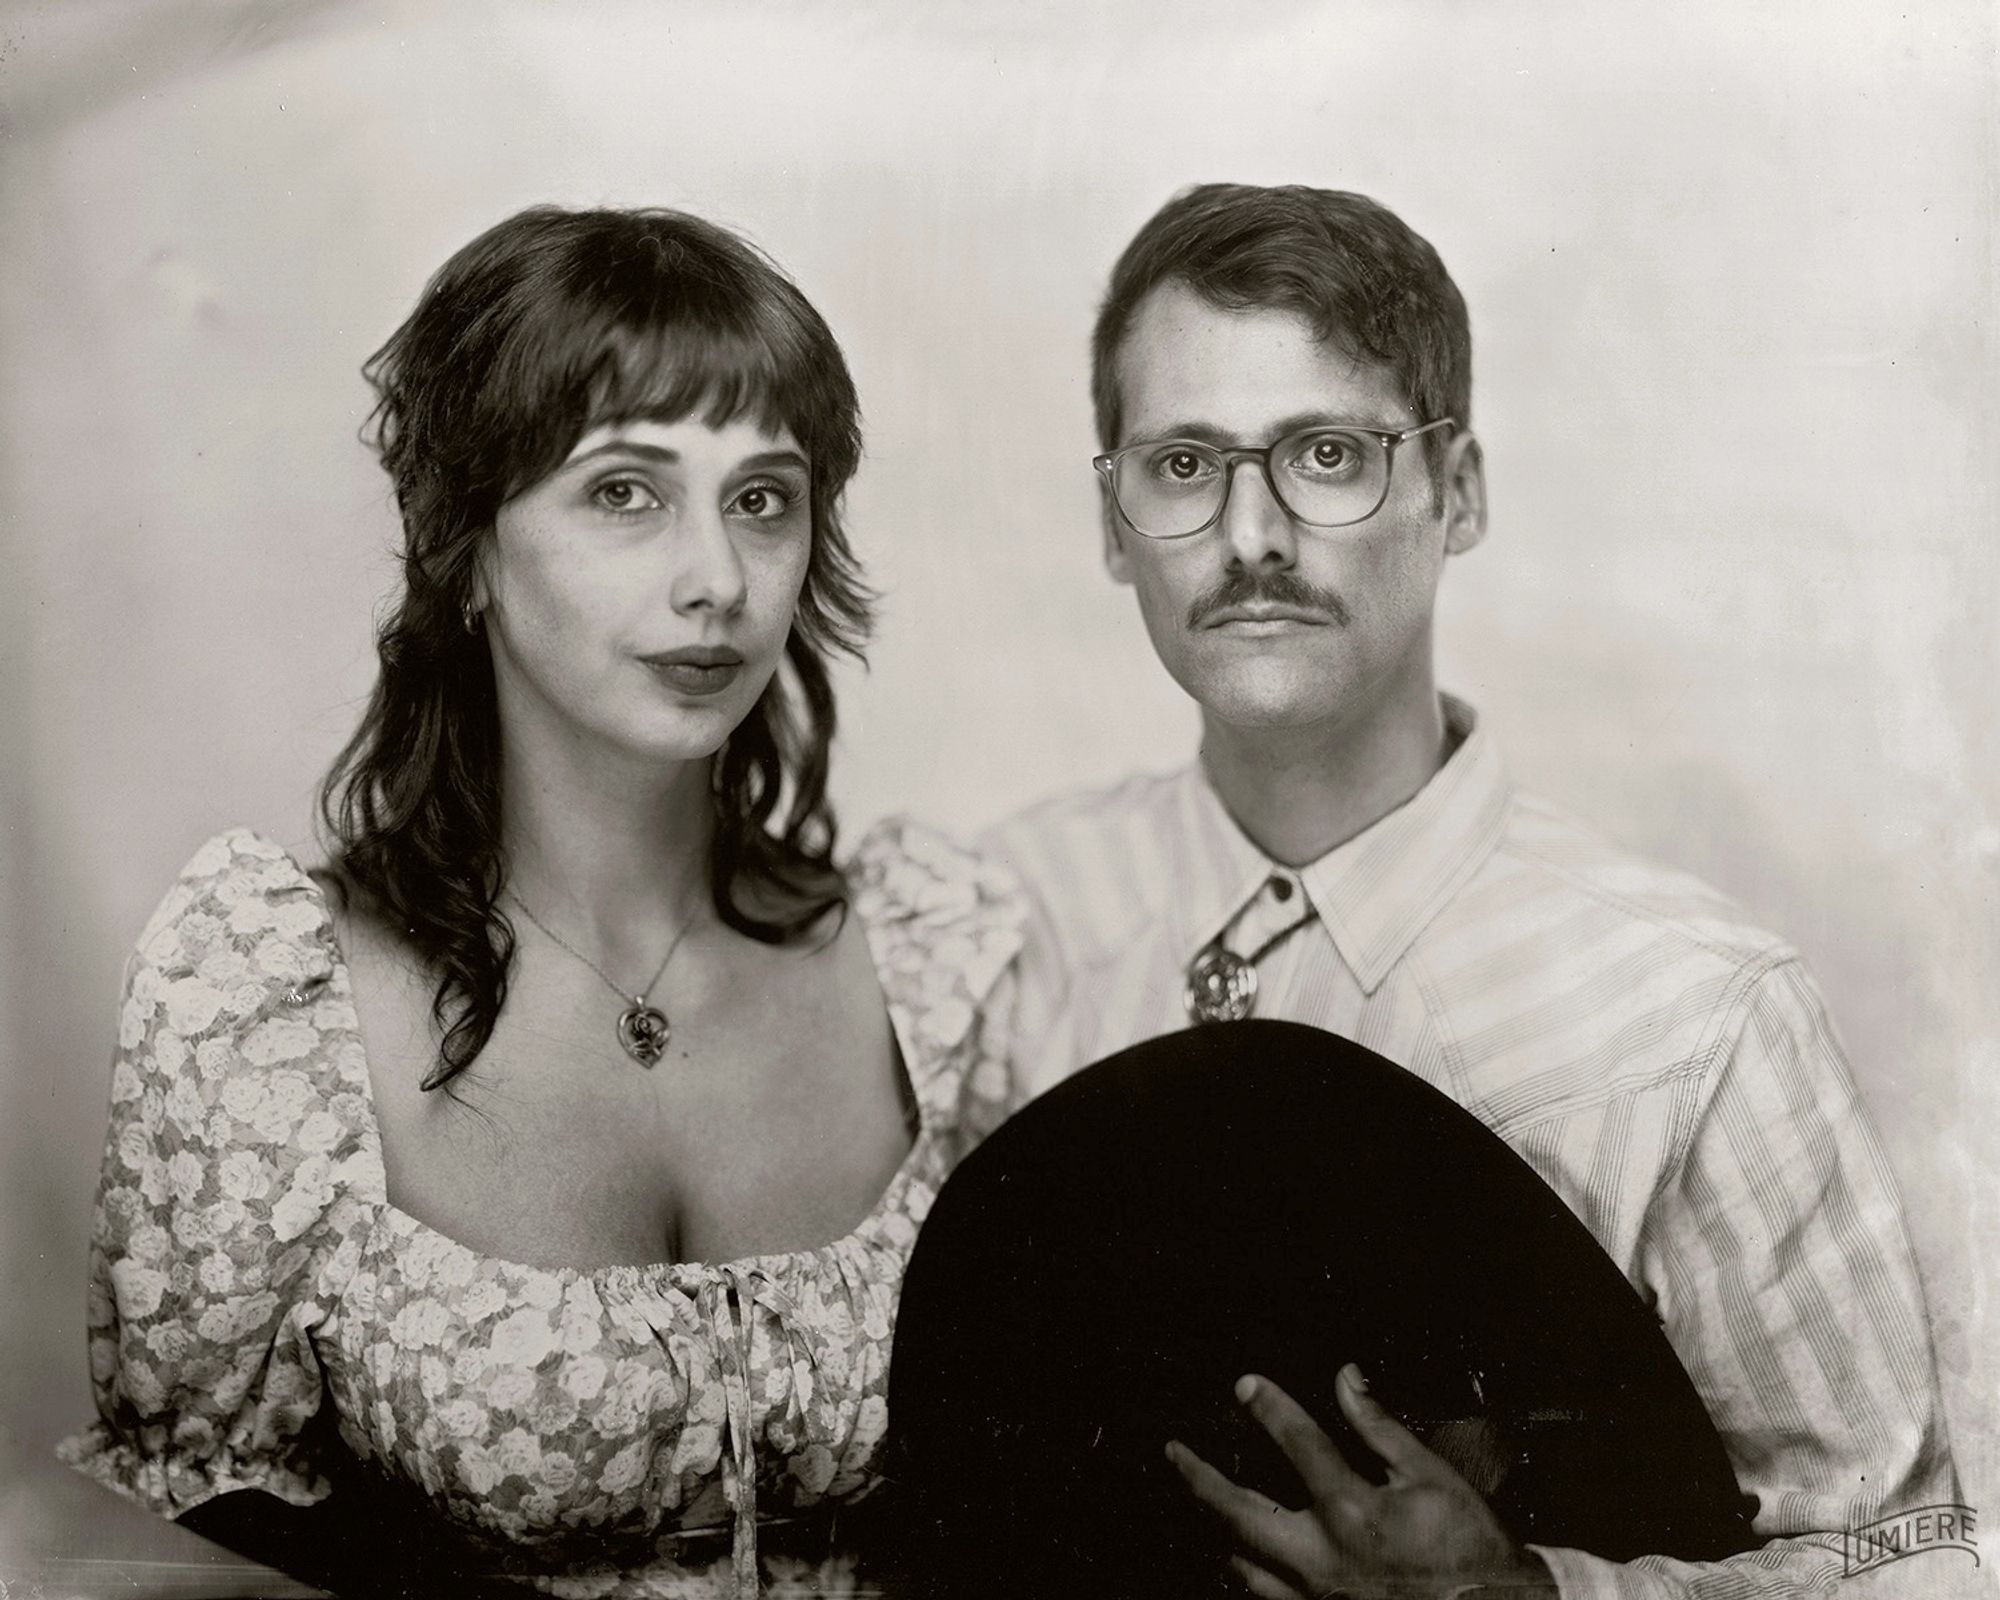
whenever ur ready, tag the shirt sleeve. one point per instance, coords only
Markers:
(1787, 1286)
(1044, 1052)
(222, 1194)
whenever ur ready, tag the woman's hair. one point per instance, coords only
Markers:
(550, 324)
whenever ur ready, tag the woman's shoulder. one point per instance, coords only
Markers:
(948, 920)
(947, 927)
(243, 926)
(904, 871)
(244, 881)
(230, 1004)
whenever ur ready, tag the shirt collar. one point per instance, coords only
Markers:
(1380, 889)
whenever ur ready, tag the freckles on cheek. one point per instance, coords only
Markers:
(552, 586)
(778, 580)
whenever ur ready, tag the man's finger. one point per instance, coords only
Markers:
(1318, 1463)
(1388, 1438)
(1262, 1527)
(1261, 1581)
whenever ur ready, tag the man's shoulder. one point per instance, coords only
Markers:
(1049, 837)
(1571, 969)
(1548, 853)
(1096, 858)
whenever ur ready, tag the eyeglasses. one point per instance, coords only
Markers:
(1324, 477)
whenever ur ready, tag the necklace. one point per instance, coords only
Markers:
(643, 1028)
(1221, 985)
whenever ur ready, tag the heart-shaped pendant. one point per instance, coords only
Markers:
(643, 1030)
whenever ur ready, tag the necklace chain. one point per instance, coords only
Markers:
(645, 994)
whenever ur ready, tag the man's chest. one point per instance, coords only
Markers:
(1592, 1071)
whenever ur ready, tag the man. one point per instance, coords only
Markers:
(1282, 387)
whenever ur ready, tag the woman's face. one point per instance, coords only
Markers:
(640, 595)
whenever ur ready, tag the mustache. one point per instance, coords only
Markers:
(1242, 587)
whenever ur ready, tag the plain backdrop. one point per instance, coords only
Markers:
(1731, 273)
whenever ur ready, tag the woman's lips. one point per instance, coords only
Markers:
(699, 671)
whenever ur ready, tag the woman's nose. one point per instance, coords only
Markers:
(709, 576)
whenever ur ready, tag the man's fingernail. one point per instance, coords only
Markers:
(1355, 1378)
(1246, 1389)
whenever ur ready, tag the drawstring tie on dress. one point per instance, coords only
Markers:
(726, 1302)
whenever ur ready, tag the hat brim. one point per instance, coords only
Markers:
(1267, 1197)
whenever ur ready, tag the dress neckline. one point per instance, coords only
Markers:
(685, 1275)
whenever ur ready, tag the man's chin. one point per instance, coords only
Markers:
(1265, 699)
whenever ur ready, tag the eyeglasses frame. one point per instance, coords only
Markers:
(1107, 467)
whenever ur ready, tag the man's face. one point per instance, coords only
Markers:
(1264, 620)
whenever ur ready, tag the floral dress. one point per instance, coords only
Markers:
(618, 1430)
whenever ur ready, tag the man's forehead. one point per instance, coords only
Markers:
(1186, 364)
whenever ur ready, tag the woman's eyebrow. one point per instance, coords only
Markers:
(762, 461)
(630, 447)
(774, 458)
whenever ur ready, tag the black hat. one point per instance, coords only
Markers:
(1266, 1197)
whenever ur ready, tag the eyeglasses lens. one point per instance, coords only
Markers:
(1326, 477)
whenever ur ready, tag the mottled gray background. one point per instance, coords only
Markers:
(1731, 276)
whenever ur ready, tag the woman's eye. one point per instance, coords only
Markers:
(625, 495)
(763, 502)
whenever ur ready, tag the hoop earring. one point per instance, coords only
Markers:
(469, 617)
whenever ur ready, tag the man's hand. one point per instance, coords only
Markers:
(1424, 1533)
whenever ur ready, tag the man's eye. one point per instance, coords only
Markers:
(764, 502)
(1179, 466)
(1329, 455)
(625, 495)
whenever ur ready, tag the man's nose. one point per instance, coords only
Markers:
(1260, 531)
(709, 575)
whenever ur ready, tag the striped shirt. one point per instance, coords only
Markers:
(1664, 1065)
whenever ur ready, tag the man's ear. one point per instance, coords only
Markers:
(1117, 559)
(1464, 494)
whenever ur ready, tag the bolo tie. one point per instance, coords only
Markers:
(1221, 985)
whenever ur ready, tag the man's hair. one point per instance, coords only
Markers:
(1353, 269)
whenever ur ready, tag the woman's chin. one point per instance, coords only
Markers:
(689, 731)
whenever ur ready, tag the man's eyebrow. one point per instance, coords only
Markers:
(1297, 422)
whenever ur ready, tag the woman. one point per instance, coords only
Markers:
(549, 1161)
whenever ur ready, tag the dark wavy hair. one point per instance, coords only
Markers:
(1357, 273)
(550, 324)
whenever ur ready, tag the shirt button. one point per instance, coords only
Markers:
(1281, 888)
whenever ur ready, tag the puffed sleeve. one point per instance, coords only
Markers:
(947, 929)
(226, 1201)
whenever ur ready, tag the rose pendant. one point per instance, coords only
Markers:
(1221, 986)
(643, 1030)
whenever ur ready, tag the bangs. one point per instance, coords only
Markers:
(689, 367)
(614, 318)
